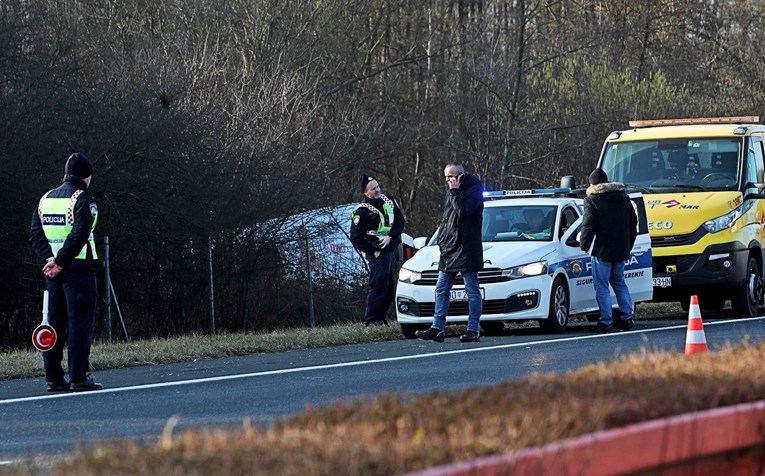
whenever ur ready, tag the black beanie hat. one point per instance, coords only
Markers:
(364, 181)
(598, 176)
(78, 165)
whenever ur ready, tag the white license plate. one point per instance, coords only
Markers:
(461, 294)
(662, 282)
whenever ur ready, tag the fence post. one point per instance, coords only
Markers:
(107, 286)
(212, 289)
(309, 278)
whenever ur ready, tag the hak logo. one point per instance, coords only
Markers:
(54, 220)
(667, 204)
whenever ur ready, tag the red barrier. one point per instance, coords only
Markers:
(728, 440)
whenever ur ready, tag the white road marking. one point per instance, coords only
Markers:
(346, 364)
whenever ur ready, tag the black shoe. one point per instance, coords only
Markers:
(626, 325)
(86, 386)
(470, 336)
(60, 386)
(601, 328)
(431, 334)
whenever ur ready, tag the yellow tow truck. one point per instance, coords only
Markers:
(702, 182)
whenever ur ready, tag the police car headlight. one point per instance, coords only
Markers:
(523, 271)
(408, 276)
(723, 222)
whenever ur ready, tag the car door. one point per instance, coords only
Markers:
(638, 271)
(579, 270)
(577, 261)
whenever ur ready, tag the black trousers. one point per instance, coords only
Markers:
(382, 286)
(72, 298)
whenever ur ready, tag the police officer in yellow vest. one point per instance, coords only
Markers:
(62, 235)
(376, 227)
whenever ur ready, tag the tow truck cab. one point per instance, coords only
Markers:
(702, 181)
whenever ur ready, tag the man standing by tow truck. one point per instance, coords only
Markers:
(376, 227)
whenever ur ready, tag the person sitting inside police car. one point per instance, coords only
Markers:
(538, 227)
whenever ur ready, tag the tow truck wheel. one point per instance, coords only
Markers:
(748, 295)
(409, 329)
(557, 317)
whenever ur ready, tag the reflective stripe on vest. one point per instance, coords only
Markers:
(57, 217)
(386, 219)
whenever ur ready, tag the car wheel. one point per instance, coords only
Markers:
(557, 317)
(409, 329)
(747, 298)
(492, 328)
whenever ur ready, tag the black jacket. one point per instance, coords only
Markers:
(610, 220)
(364, 220)
(459, 237)
(83, 223)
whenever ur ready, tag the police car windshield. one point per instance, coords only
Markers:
(694, 164)
(518, 223)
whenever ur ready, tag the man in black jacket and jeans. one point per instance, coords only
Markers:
(609, 230)
(459, 239)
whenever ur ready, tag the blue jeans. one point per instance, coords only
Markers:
(475, 303)
(603, 274)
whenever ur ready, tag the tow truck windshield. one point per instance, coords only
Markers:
(660, 166)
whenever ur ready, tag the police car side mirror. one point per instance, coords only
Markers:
(420, 242)
(572, 241)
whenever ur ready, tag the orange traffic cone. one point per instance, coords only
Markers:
(695, 340)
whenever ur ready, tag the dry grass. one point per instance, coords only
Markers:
(23, 364)
(395, 434)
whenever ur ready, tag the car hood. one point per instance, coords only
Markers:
(679, 214)
(495, 255)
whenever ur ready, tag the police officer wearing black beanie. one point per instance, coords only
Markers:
(376, 227)
(62, 236)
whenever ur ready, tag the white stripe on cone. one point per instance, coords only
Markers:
(695, 337)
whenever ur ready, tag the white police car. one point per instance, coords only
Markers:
(533, 267)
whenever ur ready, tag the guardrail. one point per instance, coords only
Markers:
(728, 440)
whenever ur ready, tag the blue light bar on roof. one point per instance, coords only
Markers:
(525, 193)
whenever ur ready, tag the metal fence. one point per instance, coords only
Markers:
(306, 274)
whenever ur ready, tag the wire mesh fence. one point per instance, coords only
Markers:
(302, 273)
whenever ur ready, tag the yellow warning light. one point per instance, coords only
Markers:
(695, 120)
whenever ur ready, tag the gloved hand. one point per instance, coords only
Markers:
(384, 241)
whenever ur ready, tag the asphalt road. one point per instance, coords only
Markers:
(138, 402)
